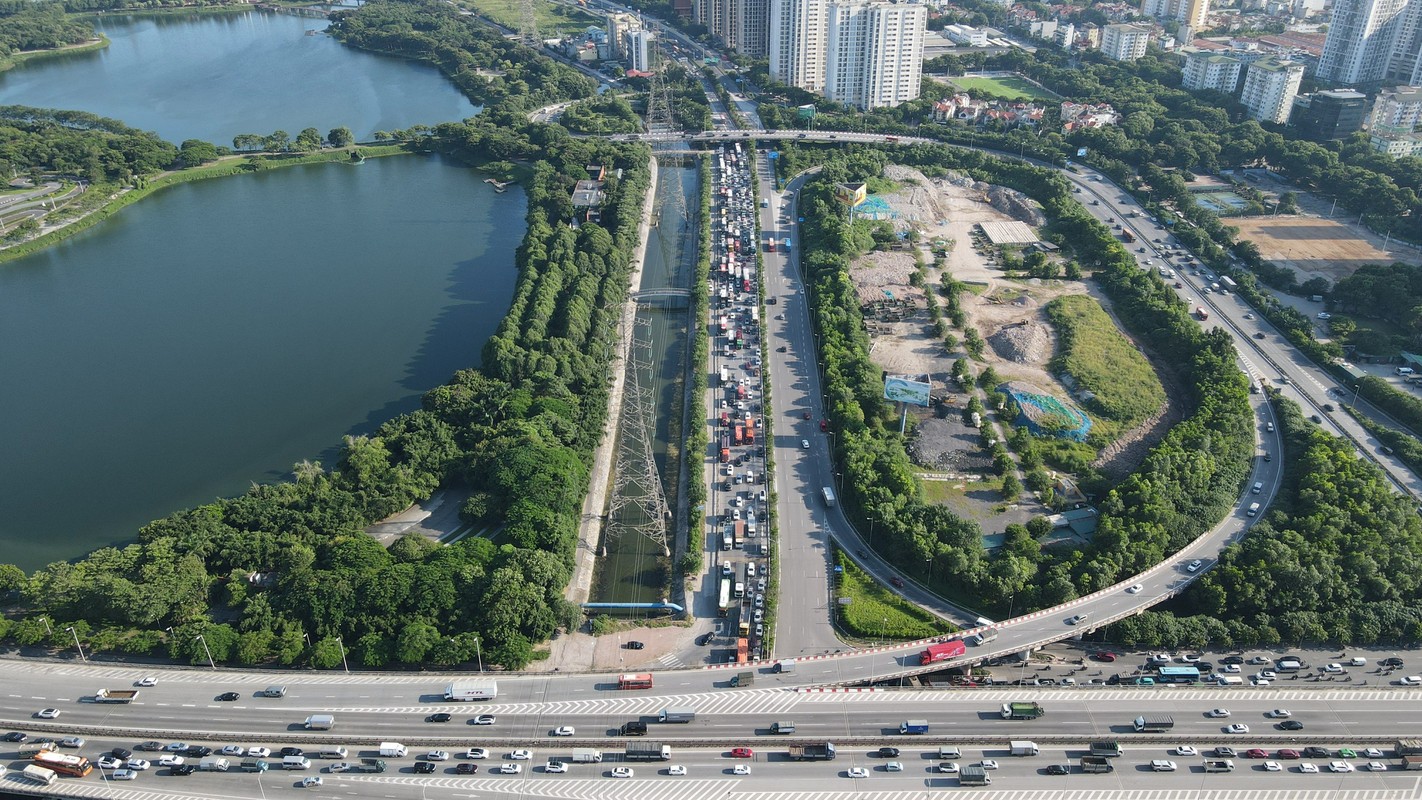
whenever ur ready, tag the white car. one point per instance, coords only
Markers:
(741, 769)
(476, 752)
(894, 766)
(258, 752)
(339, 766)
(1339, 766)
(622, 772)
(1267, 675)
(1186, 750)
(521, 755)
(176, 747)
(1308, 769)
(555, 766)
(1218, 713)
(124, 775)
(804, 444)
(949, 767)
(482, 719)
(72, 741)
(1411, 680)
(1357, 661)
(1373, 752)
(1273, 766)
(109, 762)
(1161, 658)
(147, 680)
(988, 764)
(1190, 658)
(1257, 681)
(233, 750)
(1280, 713)
(437, 755)
(1238, 727)
(170, 761)
(510, 769)
(137, 764)
(311, 782)
(676, 770)
(1231, 669)
(1194, 566)
(1377, 766)
(1077, 620)
(1333, 668)
(1161, 765)
(563, 730)
(48, 713)
(1135, 589)
(857, 772)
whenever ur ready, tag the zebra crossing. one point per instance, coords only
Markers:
(1109, 694)
(764, 701)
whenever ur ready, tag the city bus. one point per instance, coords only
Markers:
(64, 764)
(725, 606)
(634, 680)
(1179, 674)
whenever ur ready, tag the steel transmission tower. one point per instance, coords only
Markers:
(527, 23)
(638, 505)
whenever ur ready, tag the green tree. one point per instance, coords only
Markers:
(340, 137)
(195, 153)
(308, 141)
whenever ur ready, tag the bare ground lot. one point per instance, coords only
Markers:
(1315, 246)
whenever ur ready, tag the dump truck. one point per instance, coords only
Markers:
(464, 691)
(819, 751)
(743, 679)
(1108, 749)
(973, 775)
(942, 652)
(1096, 764)
(1024, 748)
(1409, 747)
(115, 695)
(1223, 765)
(1153, 723)
(647, 751)
(586, 755)
(1022, 711)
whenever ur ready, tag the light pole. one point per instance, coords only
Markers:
(1354, 404)
(77, 646)
(48, 629)
(478, 653)
(210, 662)
(341, 644)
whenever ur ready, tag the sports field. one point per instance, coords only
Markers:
(1315, 246)
(553, 20)
(1006, 88)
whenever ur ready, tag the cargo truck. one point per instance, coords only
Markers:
(255, 765)
(115, 695)
(982, 637)
(464, 691)
(677, 715)
(742, 680)
(1023, 748)
(647, 751)
(1412, 762)
(393, 750)
(320, 722)
(373, 765)
(1022, 711)
(585, 755)
(1223, 765)
(973, 775)
(1108, 749)
(1409, 747)
(214, 764)
(942, 652)
(1153, 723)
(914, 726)
(782, 728)
(1096, 764)
(819, 751)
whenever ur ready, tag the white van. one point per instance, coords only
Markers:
(1404, 371)
(1253, 510)
(949, 752)
(295, 762)
(333, 752)
(1257, 488)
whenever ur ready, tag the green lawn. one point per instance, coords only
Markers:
(1105, 363)
(1010, 88)
(878, 614)
(553, 20)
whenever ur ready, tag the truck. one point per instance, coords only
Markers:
(913, 726)
(319, 722)
(1153, 723)
(973, 775)
(393, 750)
(464, 691)
(742, 679)
(737, 435)
(40, 775)
(1022, 711)
(214, 764)
(725, 448)
(1023, 748)
(586, 755)
(1108, 749)
(372, 765)
(828, 494)
(1228, 282)
(942, 651)
(725, 376)
(1409, 747)
(1096, 764)
(1127, 236)
(1201, 313)
(783, 727)
(1412, 762)
(677, 715)
(1222, 765)
(115, 695)
(647, 751)
(982, 637)
(818, 751)
(254, 765)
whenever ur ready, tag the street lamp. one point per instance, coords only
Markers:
(210, 662)
(1354, 404)
(341, 644)
(77, 646)
(49, 630)
(478, 653)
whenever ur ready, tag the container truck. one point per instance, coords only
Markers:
(1223, 765)
(320, 722)
(1022, 711)
(115, 695)
(819, 751)
(1023, 748)
(1153, 723)
(393, 750)
(463, 691)
(942, 652)
(1096, 764)
(40, 775)
(973, 775)
(677, 715)
(1108, 749)
(914, 726)
(647, 751)
(586, 755)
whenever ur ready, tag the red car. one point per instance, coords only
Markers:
(897, 581)
(1104, 656)
(824, 424)
(742, 752)
(1256, 753)
(1289, 754)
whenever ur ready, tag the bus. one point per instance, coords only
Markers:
(64, 764)
(1179, 674)
(725, 606)
(634, 680)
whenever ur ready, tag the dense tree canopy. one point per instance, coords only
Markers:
(28, 25)
(73, 143)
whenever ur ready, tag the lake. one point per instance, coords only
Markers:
(213, 76)
(217, 332)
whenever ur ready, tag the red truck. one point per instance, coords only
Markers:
(737, 435)
(725, 419)
(725, 449)
(942, 652)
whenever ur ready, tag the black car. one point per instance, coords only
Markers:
(1232, 660)
(1327, 406)
(704, 640)
(291, 751)
(1058, 769)
(888, 752)
(44, 740)
(466, 769)
(15, 736)
(1224, 752)
(1392, 661)
(121, 754)
(424, 767)
(1316, 752)
(635, 645)
(227, 697)
(440, 717)
(198, 751)
(1290, 725)
(148, 745)
(182, 769)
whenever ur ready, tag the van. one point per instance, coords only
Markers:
(949, 752)
(273, 691)
(1257, 488)
(332, 752)
(1404, 370)
(295, 762)
(29, 749)
(785, 665)
(1253, 509)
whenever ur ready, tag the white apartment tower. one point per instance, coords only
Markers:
(797, 43)
(1124, 42)
(1396, 111)
(742, 25)
(1373, 40)
(874, 53)
(1206, 70)
(640, 50)
(1188, 12)
(1270, 86)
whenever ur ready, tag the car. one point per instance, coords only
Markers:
(72, 741)
(741, 769)
(1410, 680)
(1347, 752)
(147, 680)
(1185, 750)
(1190, 658)
(897, 582)
(1258, 335)
(482, 719)
(988, 763)
(1257, 681)
(440, 717)
(1333, 668)
(1392, 661)
(311, 782)
(258, 752)
(1267, 674)
(1232, 660)
(121, 753)
(1328, 407)
(227, 697)
(476, 752)
(15, 736)
(1231, 669)
(1077, 620)
(291, 751)
(1248, 315)
(47, 713)
(339, 766)
(1135, 589)
(1256, 752)
(1279, 713)
(563, 730)
(806, 415)
(1194, 566)
(1058, 769)
(886, 752)
(183, 769)
(521, 755)
(1377, 766)
(437, 755)
(804, 444)
(1260, 660)
(124, 775)
(1218, 713)
(948, 767)
(109, 762)
(233, 750)
(857, 772)
(169, 760)
(1238, 727)
(894, 766)
(1162, 765)
(1273, 766)
(636, 645)
(1314, 751)
(1104, 656)
(1373, 752)
(743, 752)
(622, 772)
(705, 639)
(1357, 661)
(1339, 766)
(1223, 751)
(466, 769)
(1324, 315)
(677, 769)
(1308, 769)
(136, 763)
(1161, 658)
(1291, 725)
(425, 767)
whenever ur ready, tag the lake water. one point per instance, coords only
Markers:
(214, 76)
(218, 332)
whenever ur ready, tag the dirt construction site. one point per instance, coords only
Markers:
(1315, 246)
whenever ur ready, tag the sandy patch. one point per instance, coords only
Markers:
(1314, 246)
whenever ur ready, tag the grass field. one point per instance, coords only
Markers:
(1105, 363)
(1009, 88)
(875, 613)
(553, 20)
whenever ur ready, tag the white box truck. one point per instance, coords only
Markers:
(585, 755)
(320, 722)
(393, 750)
(1024, 748)
(214, 764)
(464, 691)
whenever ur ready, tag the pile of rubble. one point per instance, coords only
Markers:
(1023, 343)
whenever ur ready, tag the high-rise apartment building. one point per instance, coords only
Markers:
(874, 52)
(1124, 42)
(618, 25)
(1373, 40)
(1188, 12)
(1270, 85)
(1207, 70)
(741, 25)
(641, 50)
(1396, 111)
(797, 43)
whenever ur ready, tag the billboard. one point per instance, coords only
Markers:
(852, 193)
(907, 389)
